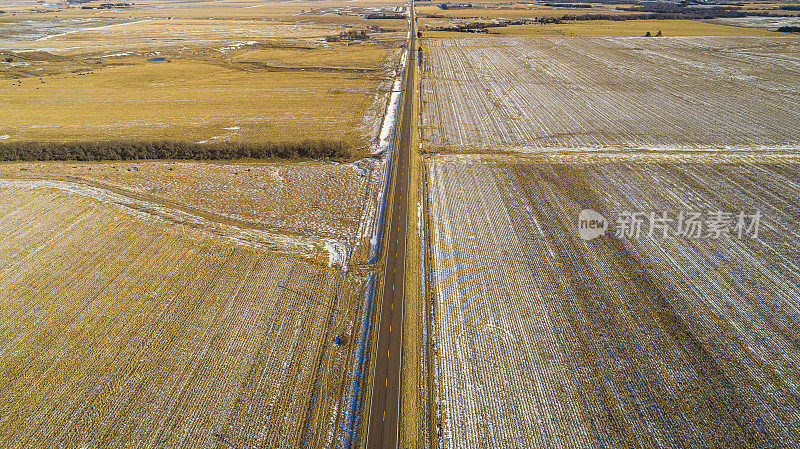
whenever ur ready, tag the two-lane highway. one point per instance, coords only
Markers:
(384, 415)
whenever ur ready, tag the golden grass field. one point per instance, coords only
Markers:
(189, 101)
(356, 58)
(232, 72)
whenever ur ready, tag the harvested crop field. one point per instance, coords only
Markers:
(527, 94)
(120, 329)
(543, 339)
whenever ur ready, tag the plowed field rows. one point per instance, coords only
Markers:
(546, 340)
(490, 94)
(121, 330)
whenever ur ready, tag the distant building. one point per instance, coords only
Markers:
(115, 5)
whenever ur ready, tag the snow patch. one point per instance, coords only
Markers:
(419, 218)
(390, 118)
(392, 111)
(337, 254)
(91, 28)
(235, 46)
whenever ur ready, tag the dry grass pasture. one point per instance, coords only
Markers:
(317, 199)
(120, 329)
(203, 73)
(543, 339)
(528, 94)
(192, 101)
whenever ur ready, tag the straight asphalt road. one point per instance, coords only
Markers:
(384, 416)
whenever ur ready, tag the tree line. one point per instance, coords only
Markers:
(113, 151)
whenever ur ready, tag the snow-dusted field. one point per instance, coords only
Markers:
(119, 329)
(490, 94)
(546, 340)
(766, 23)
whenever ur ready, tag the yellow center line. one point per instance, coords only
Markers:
(384, 416)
